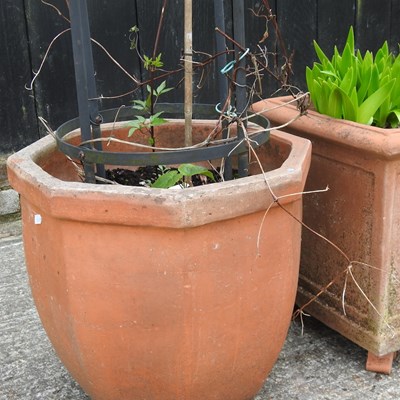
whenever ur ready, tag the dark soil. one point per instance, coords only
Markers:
(145, 175)
(133, 178)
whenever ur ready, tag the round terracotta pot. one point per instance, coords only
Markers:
(163, 294)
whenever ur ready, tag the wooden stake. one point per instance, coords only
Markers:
(188, 107)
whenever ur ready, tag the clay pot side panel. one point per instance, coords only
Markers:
(394, 259)
(139, 300)
(338, 214)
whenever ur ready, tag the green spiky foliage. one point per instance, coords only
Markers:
(361, 88)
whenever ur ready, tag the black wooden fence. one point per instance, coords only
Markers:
(28, 26)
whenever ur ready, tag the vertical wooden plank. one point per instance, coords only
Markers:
(334, 21)
(205, 79)
(110, 22)
(54, 88)
(298, 23)
(394, 39)
(372, 24)
(17, 109)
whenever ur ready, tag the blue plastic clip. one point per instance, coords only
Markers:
(244, 54)
(230, 64)
(228, 67)
(230, 113)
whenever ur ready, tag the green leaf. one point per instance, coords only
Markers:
(139, 105)
(147, 61)
(365, 79)
(321, 55)
(346, 61)
(368, 59)
(155, 119)
(382, 55)
(348, 106)
(310, 79)
(350, 39)
(167, 180)
(354, 98)
(316, 95)
(347, 83)
(395, 95)
(336, 59)
(134, 127)
(136, 124)
(394, 118)
(374, 83)
(156, 115)
(372, 103)
(148, 102)
(381, 115)
(191, 169)
(157, 61)
(162, 88)
(329, 73)
(323, 100)
(335, 104)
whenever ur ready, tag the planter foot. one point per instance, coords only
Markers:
(380, 364)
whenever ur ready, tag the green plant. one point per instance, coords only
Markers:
(174, 176)
(148, 119)
(364, 89)
(145, 123)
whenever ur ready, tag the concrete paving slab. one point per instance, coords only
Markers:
(319, 365)
(10, 226)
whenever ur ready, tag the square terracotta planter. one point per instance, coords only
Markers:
(361, 214)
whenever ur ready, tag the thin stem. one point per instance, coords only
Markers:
(265, 67)
(152, 79)
(160, 23)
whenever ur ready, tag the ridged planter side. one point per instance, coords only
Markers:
(361, 214)
(163, 294)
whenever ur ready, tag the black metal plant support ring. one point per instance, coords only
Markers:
(90, 119)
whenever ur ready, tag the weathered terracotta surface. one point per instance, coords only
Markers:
(163, 294)
(361, 214)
